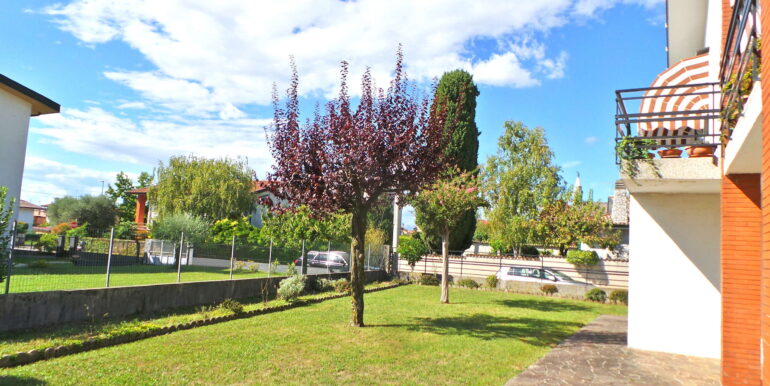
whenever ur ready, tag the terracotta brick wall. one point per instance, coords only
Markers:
(741, 277)
(765, 316)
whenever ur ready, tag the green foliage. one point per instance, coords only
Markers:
(125, 230)
(374, 237)
(291, 288)
(274, 267)
(38, 264)
(170, 228)
(291, 270)
(529, 250)
(428, 279)
(596, 295)
(517, 182)
(569, 221)
(61, 229)
(118, 193)
(380, 216)
(586, 258)
(342, 286)
(47, 242)
(549, 289)
(482, 232)
(411, 249)
(492, 281)
(232, 305)
(468, 283)
(21, 227)
(223, 230)
(207, 188)
(6, 211)
(290, 228)
(98, 211)
(81, 231)
(633, 150)
(619, 296)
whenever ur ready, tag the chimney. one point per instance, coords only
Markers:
(620, 204)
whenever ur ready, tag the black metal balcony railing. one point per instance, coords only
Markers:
(668, 117)
(740, 63)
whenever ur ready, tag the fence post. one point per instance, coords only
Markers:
(179, 262)
(461, 266)
(270, 259)
(232, 256)
(304, 259)
(369, 258)
(109, 257)
(10, 260)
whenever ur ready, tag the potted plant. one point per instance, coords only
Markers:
(670, 153)
(634, 150)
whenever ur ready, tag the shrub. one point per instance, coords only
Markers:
(126, 230)
(342, 286)
(291, 288)
(492, 281)
(596, 295)
(578, 257)
(61, 229)
(171, 227)
(254, 267)
(529, 251)
(222, 231)
(291, 270)
(274, 267)
(81, 231)
(47, 242)
(619, 296)
(231, 305)
(325, 285)
(549, 289)
(21, 227)
(411, 249)
(428, 279)
(38, 264)
(468, 283)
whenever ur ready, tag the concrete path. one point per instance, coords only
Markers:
(598, 355)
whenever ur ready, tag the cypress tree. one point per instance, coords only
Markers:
(457, 93)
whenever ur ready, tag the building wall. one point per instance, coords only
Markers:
(14, 125)
(674, 274)
(26, 215)
(765, 289)
(741, 271)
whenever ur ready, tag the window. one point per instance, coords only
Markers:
(321, 257)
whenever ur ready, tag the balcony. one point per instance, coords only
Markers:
(741, 103)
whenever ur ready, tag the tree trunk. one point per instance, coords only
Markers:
(357, 274)
(445, 270)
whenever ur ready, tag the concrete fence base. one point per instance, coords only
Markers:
(39, 309)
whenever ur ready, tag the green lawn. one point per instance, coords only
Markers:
(481, 338)
(63, 275)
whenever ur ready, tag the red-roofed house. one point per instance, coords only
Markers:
(32, 214)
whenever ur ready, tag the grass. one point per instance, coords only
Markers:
(481, 338)
(63, 275)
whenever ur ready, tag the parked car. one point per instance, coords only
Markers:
(536, 274)
(334, 261)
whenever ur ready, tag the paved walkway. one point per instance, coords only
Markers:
(597, 355)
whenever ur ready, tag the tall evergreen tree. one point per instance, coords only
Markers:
(457, 93)
(119, 195)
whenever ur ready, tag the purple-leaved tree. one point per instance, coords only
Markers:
(346, 157)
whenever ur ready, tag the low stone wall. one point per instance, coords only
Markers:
(38, 309)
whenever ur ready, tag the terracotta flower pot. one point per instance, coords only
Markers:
(670, 153)
(700, 151)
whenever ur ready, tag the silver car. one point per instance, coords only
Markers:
(536, 274)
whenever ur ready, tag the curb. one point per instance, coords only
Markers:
(32, 356)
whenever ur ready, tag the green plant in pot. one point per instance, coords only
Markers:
(632, 151)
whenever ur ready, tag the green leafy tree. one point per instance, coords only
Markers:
(519, 181)
(411, 249)
(569, 221)
(456, 94)
(207, 188)
(118, 193)
(380, 216)
(6, 211)
(99, 212)
(196, 230)
(440, 207)
(223, 230)
(289, 228)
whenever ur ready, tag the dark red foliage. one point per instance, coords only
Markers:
(345, 158)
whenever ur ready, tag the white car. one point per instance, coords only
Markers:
(535, 274)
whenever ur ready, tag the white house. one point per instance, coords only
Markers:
(17, 104)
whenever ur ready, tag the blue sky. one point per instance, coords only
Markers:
(139, 81)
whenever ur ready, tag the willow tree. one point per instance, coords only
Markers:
(346, 158)
(441, 206)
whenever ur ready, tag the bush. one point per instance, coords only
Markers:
(325, 285)
(428, 279)
(549, 289)
(619, 296)
(80, 232)
(126, 230)
(47, 242)
(529, 251)
(38, 264)
(596, 295)
(21, 227)
(222, 231)
(291, 270)
(492, 281)
(468, 283)
(274, 267)
(170, 228)
(231, 305)
(342, 286)
(61, 229)
(578, 257)
(411, 249)
(291, 288)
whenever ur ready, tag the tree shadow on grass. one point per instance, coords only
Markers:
(14, 380)
(537, 332)
(543, 305)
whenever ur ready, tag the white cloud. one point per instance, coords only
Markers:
(132, 105)
(590, 140)
(589, 8)
(45, 179)
(213, 57)
(571, 164)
